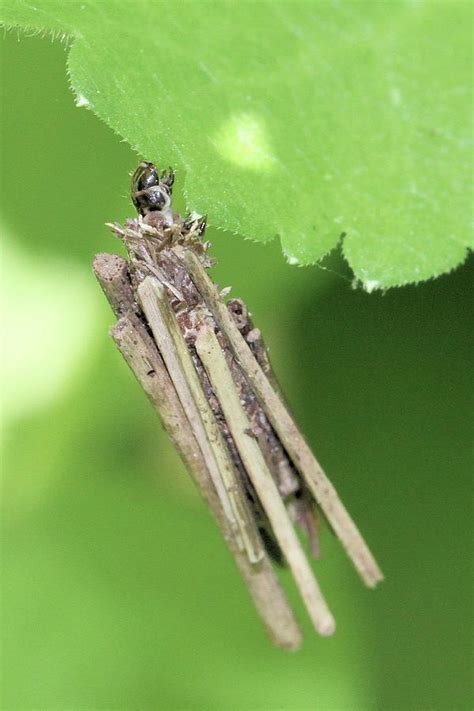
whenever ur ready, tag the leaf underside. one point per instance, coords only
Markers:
(302, 120)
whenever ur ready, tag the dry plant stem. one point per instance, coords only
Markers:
(139, 351)
(174, 350)
(219, 374)
(141, 354)
(301, 455)
(112, 274)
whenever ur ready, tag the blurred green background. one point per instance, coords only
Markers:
(117, 592)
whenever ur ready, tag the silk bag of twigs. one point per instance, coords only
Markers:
(204, 367)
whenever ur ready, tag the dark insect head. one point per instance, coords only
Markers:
(150, 190)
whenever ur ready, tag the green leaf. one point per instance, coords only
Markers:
(305, 120)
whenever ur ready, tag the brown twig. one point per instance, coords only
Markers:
(174, 350)
(214, 361)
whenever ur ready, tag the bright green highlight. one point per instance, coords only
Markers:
(243, 141)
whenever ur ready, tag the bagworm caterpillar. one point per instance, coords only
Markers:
(205, 368)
